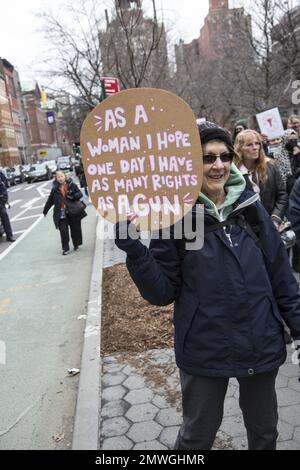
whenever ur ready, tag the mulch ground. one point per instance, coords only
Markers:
(129, 323)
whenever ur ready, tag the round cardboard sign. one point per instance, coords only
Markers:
(142, 157)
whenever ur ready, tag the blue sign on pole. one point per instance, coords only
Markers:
(50, 117)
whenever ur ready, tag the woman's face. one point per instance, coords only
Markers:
(60, 177)
(276, 141)
(215, 175)
(295, 124)
(251, 147)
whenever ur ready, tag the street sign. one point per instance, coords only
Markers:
(44, 99)
(50, 117)
(111, 85)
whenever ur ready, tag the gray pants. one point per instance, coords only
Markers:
(203, 406)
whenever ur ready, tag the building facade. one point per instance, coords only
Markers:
(224, 30)
(42, 135)
(10, 126)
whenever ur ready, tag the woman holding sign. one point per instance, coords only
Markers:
(229, 297)
(63, 194)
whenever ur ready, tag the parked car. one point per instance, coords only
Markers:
(26, 168)
(64, 163)
(18, 174)
(9, 176)
(38, 172)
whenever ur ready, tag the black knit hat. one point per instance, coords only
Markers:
(210, 131)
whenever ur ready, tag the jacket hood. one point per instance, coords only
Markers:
(234, 188)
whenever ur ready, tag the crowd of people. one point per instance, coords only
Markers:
(271, 168)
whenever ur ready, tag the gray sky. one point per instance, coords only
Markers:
(21, 44)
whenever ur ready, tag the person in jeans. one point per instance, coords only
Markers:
(63, 189)
(230, 297)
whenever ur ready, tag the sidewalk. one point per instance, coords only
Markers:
(141, 405)
(140, 399)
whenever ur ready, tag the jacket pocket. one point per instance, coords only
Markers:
(275, 311)
(184, 311)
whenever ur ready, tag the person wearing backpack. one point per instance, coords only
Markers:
(229, 300)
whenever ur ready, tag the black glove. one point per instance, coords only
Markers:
(127, 239)
(290, 144)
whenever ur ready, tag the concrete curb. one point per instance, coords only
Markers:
(86, 426)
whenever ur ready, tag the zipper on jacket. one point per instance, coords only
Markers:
(228, 235)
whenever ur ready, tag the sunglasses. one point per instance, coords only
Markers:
(209, 159)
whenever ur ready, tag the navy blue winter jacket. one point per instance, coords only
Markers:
(229, 299)
(294, 208)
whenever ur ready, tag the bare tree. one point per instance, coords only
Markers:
(134, 46)
(84, 45)
(254, 71)
(74, 59)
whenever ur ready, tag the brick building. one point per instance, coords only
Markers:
(42, 135)
(10, 125)
(21, 126)
(224, 30)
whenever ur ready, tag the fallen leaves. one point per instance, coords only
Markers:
(58, 436)
(129, 323)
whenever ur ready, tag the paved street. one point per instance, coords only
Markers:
(43, 299)
(26, 204)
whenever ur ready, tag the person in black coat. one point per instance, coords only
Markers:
(82, 178)
(261, 174)
(3, 212)
(64, 189)
(229, 300)
(239, 126)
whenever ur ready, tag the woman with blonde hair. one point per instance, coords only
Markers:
(261, 174)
